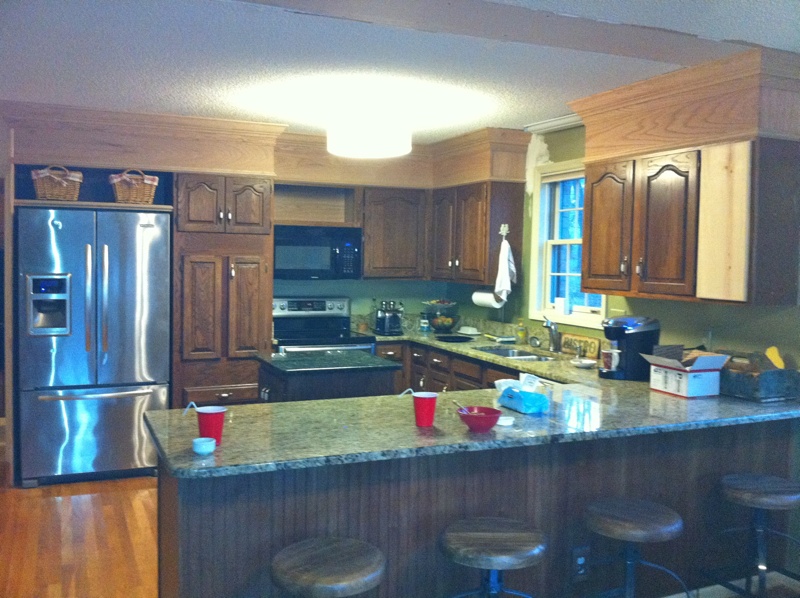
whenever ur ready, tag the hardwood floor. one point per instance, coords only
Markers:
(83, 540)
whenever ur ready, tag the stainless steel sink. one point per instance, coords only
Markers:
(510, 353)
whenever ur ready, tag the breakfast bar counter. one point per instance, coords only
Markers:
(360, 467)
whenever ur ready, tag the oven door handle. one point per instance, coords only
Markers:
(362, 347)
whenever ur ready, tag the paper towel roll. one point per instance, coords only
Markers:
(486, 299)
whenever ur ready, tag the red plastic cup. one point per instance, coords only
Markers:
(424, 408)
(210, 421)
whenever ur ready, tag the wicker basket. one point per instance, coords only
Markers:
(133, 186)
(56, 182)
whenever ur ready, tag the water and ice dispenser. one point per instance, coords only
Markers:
(48, 304)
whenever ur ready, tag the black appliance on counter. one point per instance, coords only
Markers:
(633, 336)
(317, 252)
(315, 324)
(389, 319)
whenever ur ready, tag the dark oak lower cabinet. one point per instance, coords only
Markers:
(435, 370)
(220, 314)
(396, 352)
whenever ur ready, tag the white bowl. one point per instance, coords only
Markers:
(585, 364)
(204, 446)
(469, 330)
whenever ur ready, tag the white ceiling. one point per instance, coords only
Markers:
(187, 56)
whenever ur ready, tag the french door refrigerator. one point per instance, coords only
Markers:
(92, 339)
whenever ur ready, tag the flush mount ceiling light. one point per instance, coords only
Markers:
(366, 115)
(368, 138)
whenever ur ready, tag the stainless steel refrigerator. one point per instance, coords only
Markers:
(92, 339)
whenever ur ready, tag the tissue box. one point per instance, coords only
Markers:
(524, 395)
(695, 376)
(524, 401)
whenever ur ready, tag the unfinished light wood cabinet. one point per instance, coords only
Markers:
(216, 204)
(640, 225)
(394, 233)
(749, 224)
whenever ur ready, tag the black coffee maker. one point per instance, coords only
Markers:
(632, 335)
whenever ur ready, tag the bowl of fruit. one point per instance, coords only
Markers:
(442, 314)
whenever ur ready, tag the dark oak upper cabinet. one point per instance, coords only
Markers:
(394, 233)
(640, 225)
(665, 224)
(216, 204)
(459, 233)
(465, 226)
(608, 223)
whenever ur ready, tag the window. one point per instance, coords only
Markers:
(558, 226)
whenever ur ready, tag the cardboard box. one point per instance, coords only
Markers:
(697, 376)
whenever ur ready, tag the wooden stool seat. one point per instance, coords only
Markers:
(328, 567)
(758, 491)
(493, 543)
(632, 520)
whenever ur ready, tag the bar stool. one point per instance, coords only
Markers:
(328, 567)
(494, 545)
(762, 493)
(634, 522)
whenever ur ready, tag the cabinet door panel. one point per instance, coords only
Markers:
(393, 232)
(442, 233)
(244, 305)
(200, 203)
(471, 250)
(248, 206)
(202, 307)
(665, 240)
(607, 222)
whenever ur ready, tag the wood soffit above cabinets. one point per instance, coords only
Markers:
(94, 138)
(747, 95)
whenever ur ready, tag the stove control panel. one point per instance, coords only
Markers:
(309, 307)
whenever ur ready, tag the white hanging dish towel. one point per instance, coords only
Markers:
(506, 272)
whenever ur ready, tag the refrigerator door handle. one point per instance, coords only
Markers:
(98, 395)
(87, 303)
(104, 302)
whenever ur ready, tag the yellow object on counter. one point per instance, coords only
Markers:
(774, 356)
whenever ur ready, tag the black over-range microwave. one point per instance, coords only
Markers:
(317, 252)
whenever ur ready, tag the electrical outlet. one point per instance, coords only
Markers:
(580, 563)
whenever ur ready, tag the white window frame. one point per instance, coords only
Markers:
(539, 307)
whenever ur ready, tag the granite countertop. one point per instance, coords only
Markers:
(297, 362)
(268, 437)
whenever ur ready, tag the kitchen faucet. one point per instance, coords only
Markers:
(555, 337)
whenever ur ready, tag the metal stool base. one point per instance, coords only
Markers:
(632, 558)
(492, 585)
(758, 557)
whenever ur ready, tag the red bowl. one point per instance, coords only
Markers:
(479, 419)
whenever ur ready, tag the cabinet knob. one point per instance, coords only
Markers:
(449, 263)
(221, 216)
(224, 395)
(623, 266)
(388, 353)
(640, 267)
(434, 360)
(457, 264)
(230, 216)
(233, 271)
